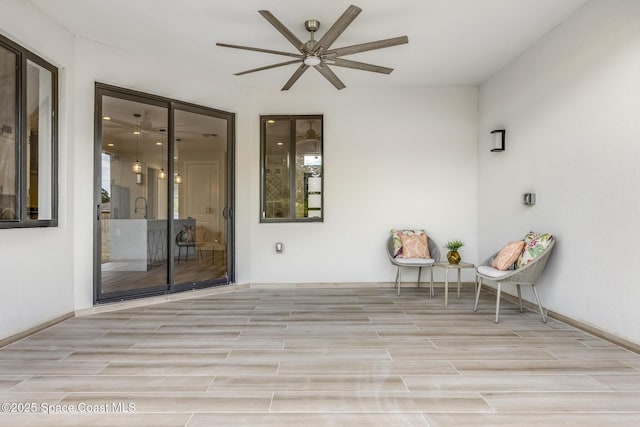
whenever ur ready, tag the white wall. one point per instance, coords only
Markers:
(401, 157)
(36, 264)
(570, 106)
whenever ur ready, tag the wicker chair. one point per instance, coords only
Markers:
(526, 275)
(421, 263)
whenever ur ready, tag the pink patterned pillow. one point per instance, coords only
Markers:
(397, 242)
(508, 255)
(415, 246)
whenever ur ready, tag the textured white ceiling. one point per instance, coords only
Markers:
(451, 42)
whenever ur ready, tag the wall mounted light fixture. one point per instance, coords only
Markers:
(529, 199)
(497, 140)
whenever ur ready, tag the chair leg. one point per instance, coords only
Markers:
(399, 280)
(544, 319)
(395, 284)
(479, 280)
(431, 283)
(419, 273)
(498, 302)
(520, 297)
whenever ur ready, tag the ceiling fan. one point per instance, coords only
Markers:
(317, 54)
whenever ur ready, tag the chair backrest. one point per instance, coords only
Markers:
(434, 251)
(185, 237)
(202, 234)
(528, 274)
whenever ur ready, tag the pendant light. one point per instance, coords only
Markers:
(137, 165)
(162, 174)
(177, 178)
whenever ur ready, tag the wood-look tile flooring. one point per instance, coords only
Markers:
(319, 357)
(186, 270)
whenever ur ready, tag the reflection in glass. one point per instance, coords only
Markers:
(39, 154)
(134, 205)
(159, 233)
(200, 159)
(276, 169)
(292, 165)
(308, 168)
(8, 179)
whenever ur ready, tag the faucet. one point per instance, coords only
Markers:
(135, 204)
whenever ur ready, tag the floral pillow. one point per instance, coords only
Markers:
(414, 246)
(508, 255)
(535, 244)
(397, 241)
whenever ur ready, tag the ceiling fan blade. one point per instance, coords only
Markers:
(336, 29)
(360, 66)
(283, 30)
(330, 75)
(267, 67)
(113, 122)
(296, 75)
(357, 48)
(257, 49)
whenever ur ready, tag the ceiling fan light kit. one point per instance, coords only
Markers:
(312, 60)
(317, 54)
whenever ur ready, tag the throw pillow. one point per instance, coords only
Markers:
(186, 235)
(414, 246)
(397, 242)
(535, 245)
(508, 255)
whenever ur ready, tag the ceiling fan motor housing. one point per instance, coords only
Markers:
(312, 25)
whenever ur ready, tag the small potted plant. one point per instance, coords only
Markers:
(453, 256)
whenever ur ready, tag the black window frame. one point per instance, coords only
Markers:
(23, 56)
(292, 170)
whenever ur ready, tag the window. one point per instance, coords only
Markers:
(292, 168)
(28, 127)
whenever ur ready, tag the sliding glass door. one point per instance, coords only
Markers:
(199, 196)
(164, 174)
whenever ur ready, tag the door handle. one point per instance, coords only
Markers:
(98, 212)
(225, 213)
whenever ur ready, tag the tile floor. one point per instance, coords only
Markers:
(318, 357)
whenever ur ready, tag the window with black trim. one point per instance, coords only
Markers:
(291, 168)
(28, 141)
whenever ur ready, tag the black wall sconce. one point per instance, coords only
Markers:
(529, 199)
(497, 140)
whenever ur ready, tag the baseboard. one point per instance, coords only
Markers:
(585, 327)
(317, 285)
(42, 326)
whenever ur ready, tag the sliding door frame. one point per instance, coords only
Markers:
(171, 105)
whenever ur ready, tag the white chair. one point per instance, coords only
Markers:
(525, 275)
(421, 263)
